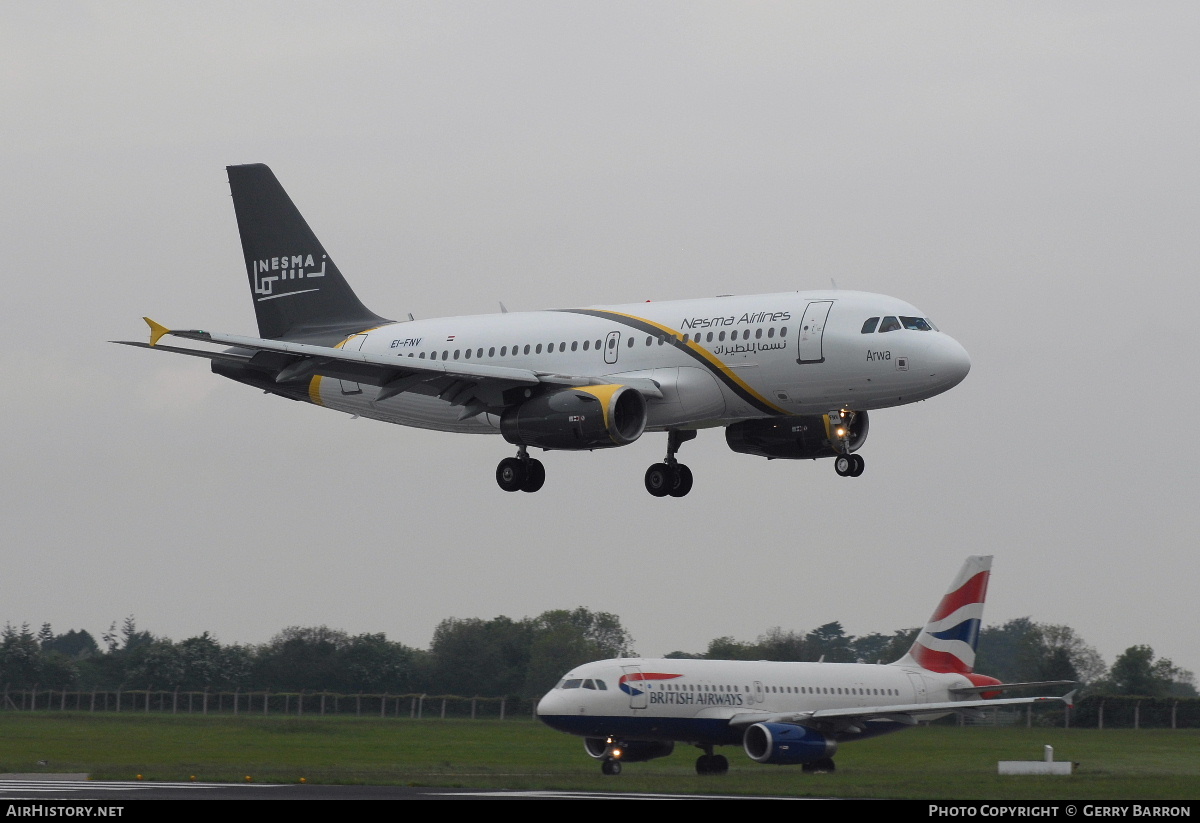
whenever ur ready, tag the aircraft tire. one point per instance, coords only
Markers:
(703, 764)
(843, 464)
(510, 474)
(860, 465)
(610, 767)
(658, 480)
(681, 480)
(535, 476)
(719, 764)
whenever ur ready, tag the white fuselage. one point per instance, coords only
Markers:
(692, 700)
(717, 360)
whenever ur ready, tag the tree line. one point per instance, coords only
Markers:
(524, 658)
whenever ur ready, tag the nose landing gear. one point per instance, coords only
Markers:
(521, 473)
(849, 465)
(671, 477)
(845, 464)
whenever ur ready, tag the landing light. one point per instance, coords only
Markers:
(616, 754)
(841, 432)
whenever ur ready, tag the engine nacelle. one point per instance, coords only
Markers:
(786, 744)
(627, 751)
(796, 438)
(588, 417)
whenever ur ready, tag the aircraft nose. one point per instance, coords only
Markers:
(949, 362)
(548, 704)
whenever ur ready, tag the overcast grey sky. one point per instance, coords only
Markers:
(1025, 173)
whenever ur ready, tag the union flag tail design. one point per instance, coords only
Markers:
(950, 638)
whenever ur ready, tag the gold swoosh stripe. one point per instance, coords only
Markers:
(697, 352)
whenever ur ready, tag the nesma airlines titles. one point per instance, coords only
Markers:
(788, 376)
(630, 710)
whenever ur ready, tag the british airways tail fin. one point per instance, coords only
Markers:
(950, 638)
(297, 289)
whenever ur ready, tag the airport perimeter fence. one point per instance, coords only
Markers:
(1098, 712)
(1093, 712)
(269, 704)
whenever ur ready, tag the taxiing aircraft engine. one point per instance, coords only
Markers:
(796, 438)
(627, 751)
(588, 417)
(786, 744)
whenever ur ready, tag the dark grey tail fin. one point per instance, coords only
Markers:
(297, 289)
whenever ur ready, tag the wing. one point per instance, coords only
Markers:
(837, 721)
(476, 387)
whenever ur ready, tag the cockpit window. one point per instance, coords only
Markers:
(573, 683)
(889, 324)
(588, 684)
(916, 324)
(600, 685)
(869, 326)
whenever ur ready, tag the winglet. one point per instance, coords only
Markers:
(156, 331)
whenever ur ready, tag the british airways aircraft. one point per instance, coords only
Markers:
(632, 710)
(789, 375)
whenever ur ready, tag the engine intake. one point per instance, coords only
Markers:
(588, 417)
(786, 744)
(794, 438)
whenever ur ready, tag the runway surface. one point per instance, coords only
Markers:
(68, 789)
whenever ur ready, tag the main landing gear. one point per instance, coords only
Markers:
(712, 764)
(823, 766)
(610, 766)
(521, 473)
(671, 477)
(849, 465)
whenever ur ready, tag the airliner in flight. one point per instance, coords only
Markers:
(632, 710)
(788, 376)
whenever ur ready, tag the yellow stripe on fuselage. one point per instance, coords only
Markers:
(708, 357)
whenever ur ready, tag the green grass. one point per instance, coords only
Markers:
(928, 762)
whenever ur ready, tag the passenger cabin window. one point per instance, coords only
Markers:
(869, 326)
(889, 324)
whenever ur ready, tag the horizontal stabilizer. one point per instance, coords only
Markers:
(1003, 687)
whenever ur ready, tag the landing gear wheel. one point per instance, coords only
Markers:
(658, 480)
(843, 464)
(535, 476)
(823, 766)
(610, 766)
(681, 480)
(511, 474)
(719, 764)
(859, 465)
(704, 764)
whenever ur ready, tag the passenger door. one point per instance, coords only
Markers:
(812, 332)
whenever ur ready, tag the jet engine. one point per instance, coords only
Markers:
(627, 751)
(786, 744)
(797, 438)
(588, 417)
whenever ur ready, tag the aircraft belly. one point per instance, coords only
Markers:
(648, 727)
